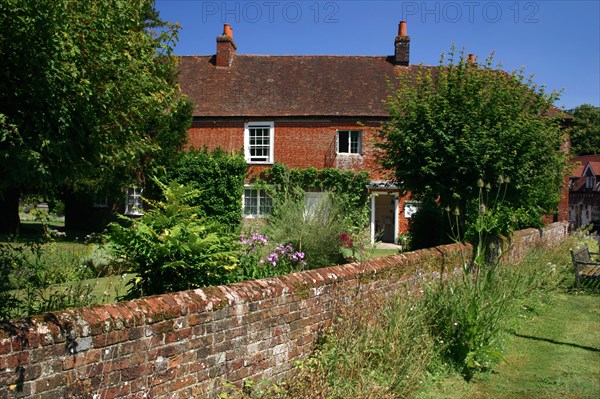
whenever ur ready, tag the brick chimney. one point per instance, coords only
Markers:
(225, 47)
(402, 45)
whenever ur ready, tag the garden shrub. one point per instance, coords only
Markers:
(317, 232)
(171, 247)
(428, 227)
(219, 178)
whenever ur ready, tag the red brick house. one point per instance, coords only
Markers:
(584, 192)
(302, 111)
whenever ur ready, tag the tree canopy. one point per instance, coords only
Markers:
(585, 130)
(463, 127)
(87, 94)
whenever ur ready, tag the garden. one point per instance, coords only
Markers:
(189, 236)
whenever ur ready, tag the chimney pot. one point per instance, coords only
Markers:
(402, 28)
(471, 58)
(227, 31)
(402, 46)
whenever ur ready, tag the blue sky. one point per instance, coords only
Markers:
(557, 41)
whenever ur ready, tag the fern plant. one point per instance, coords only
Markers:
(172, 247)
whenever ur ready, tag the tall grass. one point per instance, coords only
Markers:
(387, 347)
(46, 275)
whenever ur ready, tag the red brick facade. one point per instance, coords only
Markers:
(304, 143)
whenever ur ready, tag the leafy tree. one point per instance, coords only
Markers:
(462, 123)
(87, 95)
(585, 133)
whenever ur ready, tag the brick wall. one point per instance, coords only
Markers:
(298, 144)
(179, 345)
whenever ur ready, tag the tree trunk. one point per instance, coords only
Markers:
(9, 211)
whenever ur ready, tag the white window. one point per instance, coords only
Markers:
(134, 205)
(349, 142)
(256, 203)
(410, 208)
(258, 142)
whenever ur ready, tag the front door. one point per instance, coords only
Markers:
(385, 217)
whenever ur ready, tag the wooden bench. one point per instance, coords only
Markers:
(584, 266)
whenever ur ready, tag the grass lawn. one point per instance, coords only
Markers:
(554, 353)
(381, 252)
(110, 288)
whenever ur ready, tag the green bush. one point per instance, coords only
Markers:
(428, 227)
(317, 232)
(219, 178)
(170, 247)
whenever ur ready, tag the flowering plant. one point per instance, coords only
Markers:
(259, 259)
(285, 256)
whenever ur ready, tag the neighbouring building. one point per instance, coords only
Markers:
(584, 193)
(302, 111)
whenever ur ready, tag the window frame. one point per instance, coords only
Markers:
(134, 206)
(270, 158)
(410, 208)
(359, 137)
(259, 205)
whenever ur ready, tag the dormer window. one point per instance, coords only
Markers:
(590, 182)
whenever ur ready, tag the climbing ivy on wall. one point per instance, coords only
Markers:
(220, 178)
(350, 187)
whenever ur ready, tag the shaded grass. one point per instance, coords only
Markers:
(554, 353)
(72, 294)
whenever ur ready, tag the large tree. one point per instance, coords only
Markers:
(463, 129)
(585, 130)
(87, 94)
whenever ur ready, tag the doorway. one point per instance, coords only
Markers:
(384, 217)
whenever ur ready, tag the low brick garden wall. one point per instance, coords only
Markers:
(181, 345)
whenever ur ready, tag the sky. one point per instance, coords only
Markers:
(556, 41)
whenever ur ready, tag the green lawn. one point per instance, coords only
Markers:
(553, 354)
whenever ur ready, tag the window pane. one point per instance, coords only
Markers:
(354, 141)
(256, 202)
(343, 140)
(259, 141)
(250, 202)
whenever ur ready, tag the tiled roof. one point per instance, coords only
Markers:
(258, 85)
(582, 161)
